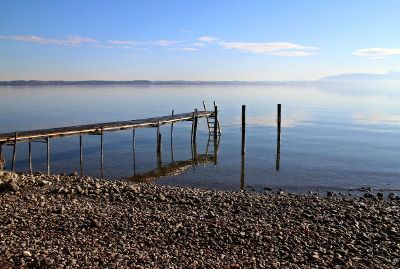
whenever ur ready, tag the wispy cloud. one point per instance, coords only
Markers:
(273, 48)
(377, 53)
(198, 44)
(184, 49)
(124, 42)
(165, 43)
(208, 39)
(69, 41)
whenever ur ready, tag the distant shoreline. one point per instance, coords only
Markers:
(143, 83)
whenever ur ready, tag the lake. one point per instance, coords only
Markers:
(335, 136)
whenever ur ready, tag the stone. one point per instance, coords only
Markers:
(369, 195)
(48, 261)
(27, 253)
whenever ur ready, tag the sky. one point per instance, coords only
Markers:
(197, 39)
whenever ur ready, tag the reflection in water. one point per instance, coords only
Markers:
(376, 118)
(172, 169)
(242, 172)
(178, 167)
(269, 120)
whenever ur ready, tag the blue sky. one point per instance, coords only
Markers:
(197, 40)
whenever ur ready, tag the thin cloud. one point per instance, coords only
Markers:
(125, 42)
(294, 53)
(208, 39)
(377, 53)
(273, 48)
(199, 44)
(183, 49)
(165, 43)
(69, 41)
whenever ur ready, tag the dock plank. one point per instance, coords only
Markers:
(98, 127)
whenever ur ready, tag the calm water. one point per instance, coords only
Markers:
(334, 137)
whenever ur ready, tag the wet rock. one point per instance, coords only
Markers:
(369, 195)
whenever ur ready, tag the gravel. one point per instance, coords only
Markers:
(74, 222)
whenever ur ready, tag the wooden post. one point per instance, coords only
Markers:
(2, 164)
(172, 145)
(81, 155)
(243, 129)
(242, 173)
(134, 150)
(30, 156)
(216, 122)
(195, 126)
(101, 153)
(159, 161)
(278, 139)
(191, 132)
(158, 139)
(14, 152)
(48, 155)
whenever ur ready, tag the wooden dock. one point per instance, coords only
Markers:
(45, 135)
(7, 138)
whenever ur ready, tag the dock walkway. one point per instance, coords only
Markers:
(6, 138)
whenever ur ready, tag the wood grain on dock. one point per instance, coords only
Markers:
(99, 127)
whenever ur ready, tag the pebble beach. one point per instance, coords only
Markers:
(67, 221)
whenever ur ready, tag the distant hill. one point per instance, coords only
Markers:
(363, 77)
(140, 83)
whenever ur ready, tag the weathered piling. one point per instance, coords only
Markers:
(134, 150)
(171, 136)
(195, 120)
(2, 160)
(278, 139)
(101, 153)
(30, 156)
(216, 122)
(159, 146)
(14, 152)
(242, 172)
(243, 129)
(81, 155)
(48, 155)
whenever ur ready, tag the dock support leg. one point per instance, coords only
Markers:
(278, 139)
(172, 145)
(14, 152)
(216, 122)
(158, 139)
(2, 162)
(243, 129)
(81, 155)
(30, 156)
(195, 120)
(48, 155)
(101, 153)
(134, 150)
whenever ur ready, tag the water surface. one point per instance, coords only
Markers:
(334, 136)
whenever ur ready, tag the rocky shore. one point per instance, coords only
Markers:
(73, 222)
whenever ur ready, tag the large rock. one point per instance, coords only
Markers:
(8, 181)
